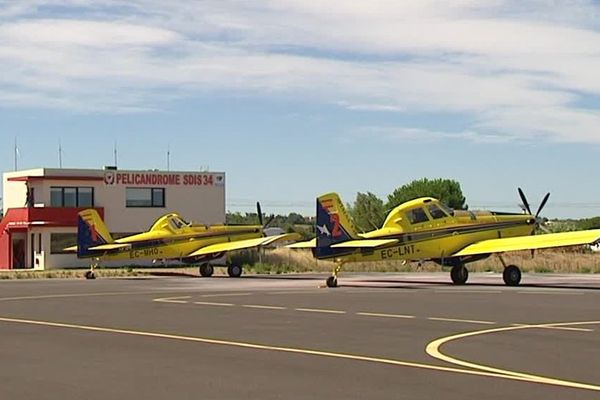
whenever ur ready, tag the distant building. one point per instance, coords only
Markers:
(40, 208)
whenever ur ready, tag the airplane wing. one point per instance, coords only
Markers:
(243, 244)
(367, 243)
(303, 245)
(110, 246)
(531, 242)
(72, 249)
(350, 244)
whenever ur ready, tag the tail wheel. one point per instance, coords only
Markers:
(206, 270)
(512, 275)
(234, 271)
(459, 274)
(331, 282)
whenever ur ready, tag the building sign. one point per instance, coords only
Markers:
(163, 179)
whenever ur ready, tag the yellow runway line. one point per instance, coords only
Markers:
(293, 350)
(433, 349)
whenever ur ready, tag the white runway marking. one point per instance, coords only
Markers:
(382, 315)
(480, 370)
(320, 310)
(209, 303)
(463, 291)
(468, 321)
(558, 328)
(552, 292)
(263, 307)
(173, 300)
(227, 294)
(433, 349)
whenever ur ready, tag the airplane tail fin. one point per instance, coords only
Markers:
(91, 231)
(333, 225)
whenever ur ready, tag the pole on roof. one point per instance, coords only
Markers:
(16, 155)
(168, 157)
(115, 152)
(59, 154)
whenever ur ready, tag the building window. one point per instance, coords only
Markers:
(82, 197)
(145, 197)
(60, 241)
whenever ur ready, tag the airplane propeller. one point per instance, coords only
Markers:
(524, 201)
(260, 217)
(539, 221)
(259, 213)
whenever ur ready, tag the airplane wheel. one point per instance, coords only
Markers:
(331, 282)
(512, 275)
(234, 271)
(206, 270)
(90, 275)
(459, 274)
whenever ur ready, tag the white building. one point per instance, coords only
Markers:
(41, 206)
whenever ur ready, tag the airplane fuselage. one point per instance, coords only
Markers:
(438, 239)
(177, 246)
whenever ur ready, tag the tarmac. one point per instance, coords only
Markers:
(377, 336)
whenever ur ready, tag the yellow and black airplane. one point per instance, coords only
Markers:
(170, 238)
(426, 229)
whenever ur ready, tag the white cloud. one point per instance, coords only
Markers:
(515, 68)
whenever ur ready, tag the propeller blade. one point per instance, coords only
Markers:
(543, 228)
(259, 212)
(542, 204)
(269, 221)
(524, 200)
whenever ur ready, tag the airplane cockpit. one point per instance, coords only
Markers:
(414, 213)
(171, 222)
(177, 222)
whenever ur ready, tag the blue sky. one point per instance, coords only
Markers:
(300, 97)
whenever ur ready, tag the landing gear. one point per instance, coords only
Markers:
(91, 274)
(206, 270)
(234, 271)
(459, 274)
(332, 282)
(512, 275)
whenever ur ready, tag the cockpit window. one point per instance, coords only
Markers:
(177, 223)
(417, 215)
(436, 212)
(446, 209)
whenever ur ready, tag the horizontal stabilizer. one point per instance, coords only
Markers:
(290, 237)
(367, 243)
(531, 242)
(72, 249)
(310, 244)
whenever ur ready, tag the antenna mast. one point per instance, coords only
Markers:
(59, 154)
(16, 154)
(168, 157)
(115, 152)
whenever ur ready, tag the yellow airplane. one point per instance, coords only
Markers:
(426, 229)
(170, 238)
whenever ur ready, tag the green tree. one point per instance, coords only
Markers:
(446, 190)
(588, 223)
(367, 212)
